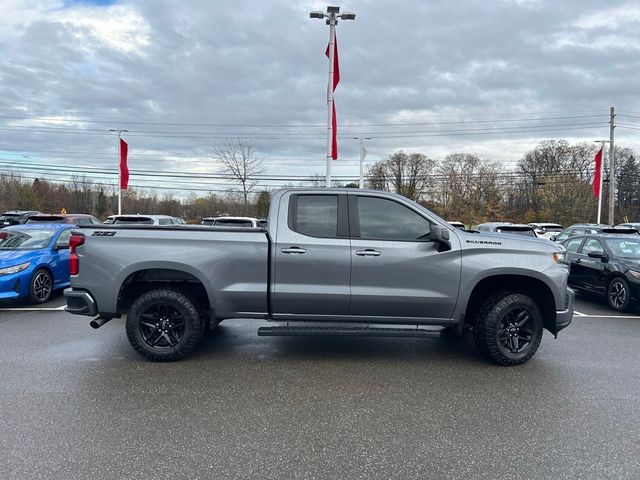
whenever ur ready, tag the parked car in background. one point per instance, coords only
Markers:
(34, 260)
(72, 218)
(16, 217)
(506, 227)
(590, 229)
(607, 265)
(142, 220)
(635, 226)
(456, 224)
(546, 230)
(231, 222)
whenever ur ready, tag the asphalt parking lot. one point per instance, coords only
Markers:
(79, 403)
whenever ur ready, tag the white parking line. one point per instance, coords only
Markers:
(33, 309)
(630, 317)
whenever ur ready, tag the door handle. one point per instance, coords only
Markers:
(369, 252)
(578, 260)
(297, 250)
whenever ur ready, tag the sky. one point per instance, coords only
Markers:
(488, 78)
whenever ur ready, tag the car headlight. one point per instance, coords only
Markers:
(14, 269)
(560, 257)
(635, 275)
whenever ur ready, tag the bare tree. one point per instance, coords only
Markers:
(239, 160)
(406, 174)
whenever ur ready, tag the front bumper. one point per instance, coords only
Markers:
(15, 285)
(564, 317)
(80, 302)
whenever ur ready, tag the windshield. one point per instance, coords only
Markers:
(517, 231)
(133, 220)
(624, 247)
(234, 223)
(25, 239)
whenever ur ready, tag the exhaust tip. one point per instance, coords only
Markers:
(99, 321)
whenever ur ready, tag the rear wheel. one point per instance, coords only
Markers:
(41, 286)
(508, 328)
(618, 294)
(164, 325)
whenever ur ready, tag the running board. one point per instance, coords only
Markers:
(348, 331)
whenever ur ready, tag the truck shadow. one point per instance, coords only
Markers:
(228, 340)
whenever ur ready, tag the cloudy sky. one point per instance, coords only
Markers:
(491, 78)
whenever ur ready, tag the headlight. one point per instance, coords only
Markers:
(560, 257)
(634, 274)
(14, 269)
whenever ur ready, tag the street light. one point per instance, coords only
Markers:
(331, 15)
(363, 153)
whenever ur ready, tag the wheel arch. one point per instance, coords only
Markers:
(143, 280)
(533, 287)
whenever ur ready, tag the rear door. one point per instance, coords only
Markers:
(312, 257)
(397, 272)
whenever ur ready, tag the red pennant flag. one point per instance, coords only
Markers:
(124, 170)
(596, 176)
(336, 80)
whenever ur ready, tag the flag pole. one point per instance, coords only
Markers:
(118, 150)
(601, 142)
(330, 86)
(600, 186)
(119, 175)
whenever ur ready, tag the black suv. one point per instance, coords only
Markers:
(16, 217)
(607, 265)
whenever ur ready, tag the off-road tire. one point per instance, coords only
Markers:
(179, 305)
(619, 294)
(40, 286)
(495, 316)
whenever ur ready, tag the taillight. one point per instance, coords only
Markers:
(75, 241)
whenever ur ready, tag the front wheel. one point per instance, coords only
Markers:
(164, 325)
(41, 286)
(618, 294)
(508, 328)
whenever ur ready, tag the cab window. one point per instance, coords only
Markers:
(383, 219)
(592, 245)
(573, 245)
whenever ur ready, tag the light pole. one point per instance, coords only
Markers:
(331, 15)
(120, 132)
(363, 153)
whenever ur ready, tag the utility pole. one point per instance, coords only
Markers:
(332, 14)
(363, 153)
(120, 131)
(601, 142)
(612, 168)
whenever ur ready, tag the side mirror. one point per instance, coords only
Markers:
(552, 238)
(440, 235)
(60, 246)
(601, 255)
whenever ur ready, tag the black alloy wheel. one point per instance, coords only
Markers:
(618, 294)
(41, 286)
(508, 328)
(162, 326)
(515, 332)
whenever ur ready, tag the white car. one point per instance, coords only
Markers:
(249, 222)
(142, 220)
(546, 230)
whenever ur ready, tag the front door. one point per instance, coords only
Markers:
(397, 272)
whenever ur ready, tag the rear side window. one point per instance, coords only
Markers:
(573, 245)
(382, 219)
(316, 215)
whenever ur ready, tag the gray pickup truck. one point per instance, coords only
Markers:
(331, 262)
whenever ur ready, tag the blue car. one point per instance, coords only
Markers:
(34, 260)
